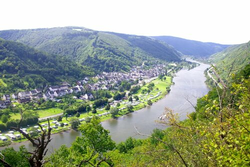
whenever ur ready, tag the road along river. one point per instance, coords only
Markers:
(189, 85)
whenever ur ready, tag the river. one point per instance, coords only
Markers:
(189, 85)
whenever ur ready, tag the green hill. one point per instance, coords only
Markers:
(191, 47)
(22, 67)
(102, 51)
(232, 59)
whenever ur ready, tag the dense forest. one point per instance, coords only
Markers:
(23, 68)
(100, 51)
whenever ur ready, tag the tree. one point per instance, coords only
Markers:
(88, 108)
(4, 118)
(156, 136)
(114, 112)
(74, 123)
(61, 124)
(15, 158)
(77, 114)
(161, 76)
(149, 102)
(151, 86)
(144, 91)
(136, 98)
(96, 137)
(59, 119)
(87, 119)
(94, 111)
(130, 108)
(107, 107)
(66, 116)
(2, 127)
(90, 149)
(119, 96)
(130, 99)
(134, 89)
(35, 158)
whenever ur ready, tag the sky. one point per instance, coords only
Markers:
(220, 21)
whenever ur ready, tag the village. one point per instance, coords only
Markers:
(105, 81)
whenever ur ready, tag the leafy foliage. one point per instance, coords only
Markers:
(16, 158)
(87, 150)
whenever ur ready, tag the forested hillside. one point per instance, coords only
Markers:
(192, 48)
(232, 59)
(22, 68)
(102, 51)
(217, 133)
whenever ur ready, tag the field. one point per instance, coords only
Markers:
(41, 113)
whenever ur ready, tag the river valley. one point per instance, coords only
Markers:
(188, 86)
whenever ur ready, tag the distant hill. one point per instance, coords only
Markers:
(191, 47)
(22, 68)
(101, 51)
(232, 59)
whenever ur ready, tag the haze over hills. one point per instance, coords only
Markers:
(101, 51)
(192, 47)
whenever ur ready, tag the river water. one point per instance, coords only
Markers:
(189, 85)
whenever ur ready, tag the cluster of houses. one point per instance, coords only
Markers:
(111, 80)
(5, 102)
(106, 81)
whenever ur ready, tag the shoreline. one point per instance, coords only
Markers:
(103, 119)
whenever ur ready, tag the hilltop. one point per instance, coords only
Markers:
(100, 51)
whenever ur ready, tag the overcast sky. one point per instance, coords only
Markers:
(221, 21)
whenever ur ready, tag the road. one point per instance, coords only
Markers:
(209, 74)
(52, 116)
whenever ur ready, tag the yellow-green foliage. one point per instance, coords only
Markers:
(2, 84)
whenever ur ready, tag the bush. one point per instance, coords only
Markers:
(59, 119)
(3, 127)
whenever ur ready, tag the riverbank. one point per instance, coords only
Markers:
(189, 84)
(160, 88)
